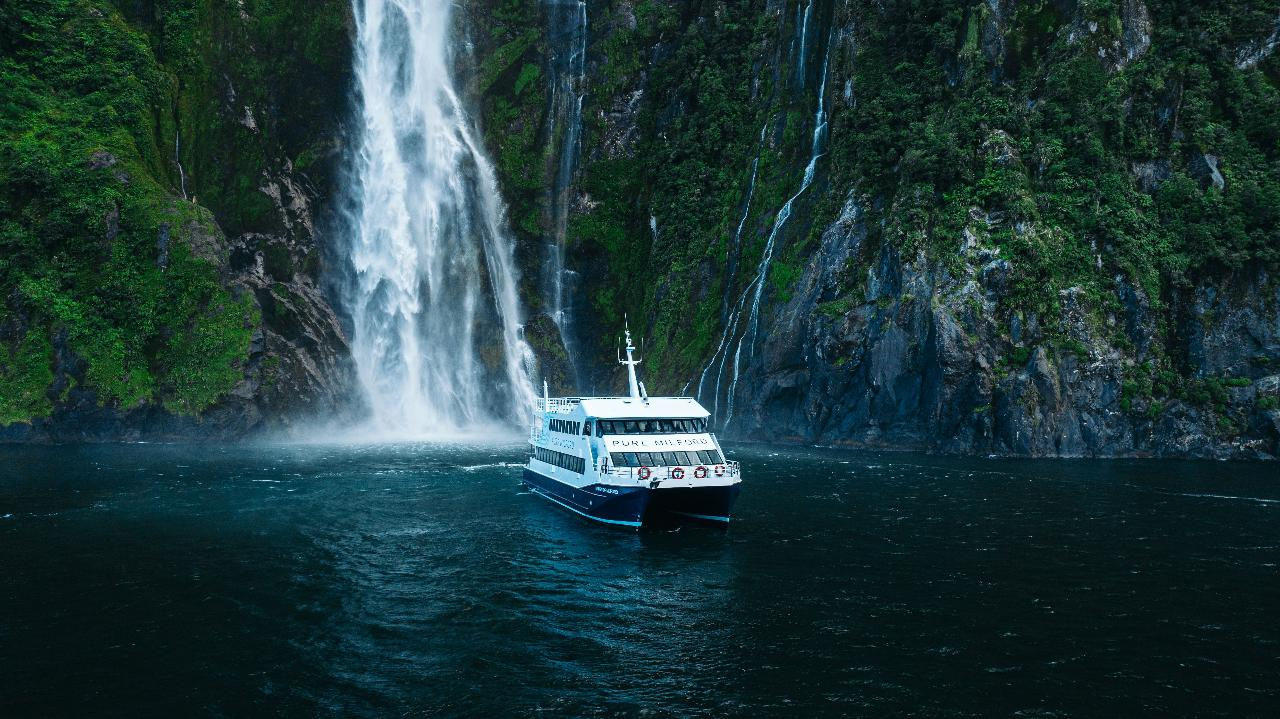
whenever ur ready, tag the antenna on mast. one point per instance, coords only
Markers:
(632, 383)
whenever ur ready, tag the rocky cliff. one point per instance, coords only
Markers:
(162, 163)
(1016, 227)
(1045, 228)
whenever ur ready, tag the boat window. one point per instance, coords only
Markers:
(714, 456)
(704, 457)
(690, 458)
(632, 459)
(617, 459)
(638, 426)
(559, 459)
(669, 459)
(646, 459)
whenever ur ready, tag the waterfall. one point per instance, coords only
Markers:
(816, 151)
(804, 40)
(436, 332)
(177, 160)
(568, 69)
(731, 320)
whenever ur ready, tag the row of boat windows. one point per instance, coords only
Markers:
(664, 459)
(631, 426)
(650, 426)
(565, 426)
(561, 460)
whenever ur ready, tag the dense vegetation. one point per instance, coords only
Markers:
(1115, 148)
(110, 272)
(1087, 164)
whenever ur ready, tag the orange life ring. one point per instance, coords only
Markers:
(700, 473)
(677, 473)
(719, 470)
(644, 472)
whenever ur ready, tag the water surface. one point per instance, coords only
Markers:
(421, 580)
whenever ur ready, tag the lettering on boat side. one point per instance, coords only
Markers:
(647, 443)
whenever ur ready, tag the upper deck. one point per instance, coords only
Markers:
(624, 407)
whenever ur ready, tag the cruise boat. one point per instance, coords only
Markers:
(630, 461)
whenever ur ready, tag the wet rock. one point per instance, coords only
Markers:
(922, 361)
(1135, 34)
(162, 246)
(101, 159)
(1205, 169)
(1151, 174)
(1252, 53)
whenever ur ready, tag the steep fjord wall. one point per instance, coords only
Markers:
(158, 167)
(1040, 228)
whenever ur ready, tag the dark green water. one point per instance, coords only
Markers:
(421, 581)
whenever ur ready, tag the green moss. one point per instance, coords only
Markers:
(93, 239)
(25, 374)
(837, 308)
(783, 277)
(504, 59)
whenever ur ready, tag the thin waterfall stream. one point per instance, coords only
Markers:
(755, 289)
(436, 321)
(568, 40)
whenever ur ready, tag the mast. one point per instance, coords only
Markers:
(631, 363)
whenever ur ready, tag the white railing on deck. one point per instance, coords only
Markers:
(564, 404)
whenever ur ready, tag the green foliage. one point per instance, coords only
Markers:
(783, 277)
(93, 242)
(837, 308)
(25, 376)
(504, 59)
(1075, 128)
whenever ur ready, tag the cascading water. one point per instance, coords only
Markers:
(568, 70)
(435, 315)
(804, 44)
(731, 319)
(755, 289)
(177, 160)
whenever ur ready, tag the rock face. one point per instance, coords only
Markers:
(1067, 294)
(237, 109)
(916, 360)
(989, 227)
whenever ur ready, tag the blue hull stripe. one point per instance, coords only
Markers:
(545, 495)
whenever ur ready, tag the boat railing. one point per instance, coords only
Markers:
(731, 469)
(563, 404)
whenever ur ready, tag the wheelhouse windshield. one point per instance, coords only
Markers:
(650, 426)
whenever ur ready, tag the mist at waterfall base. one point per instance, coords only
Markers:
(421, 580)
(432, 301)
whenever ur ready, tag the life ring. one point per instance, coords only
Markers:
(719, 470)
(700, 473)
(677, 473)
(645, 472)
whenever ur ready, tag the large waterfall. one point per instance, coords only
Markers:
(436, 331)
